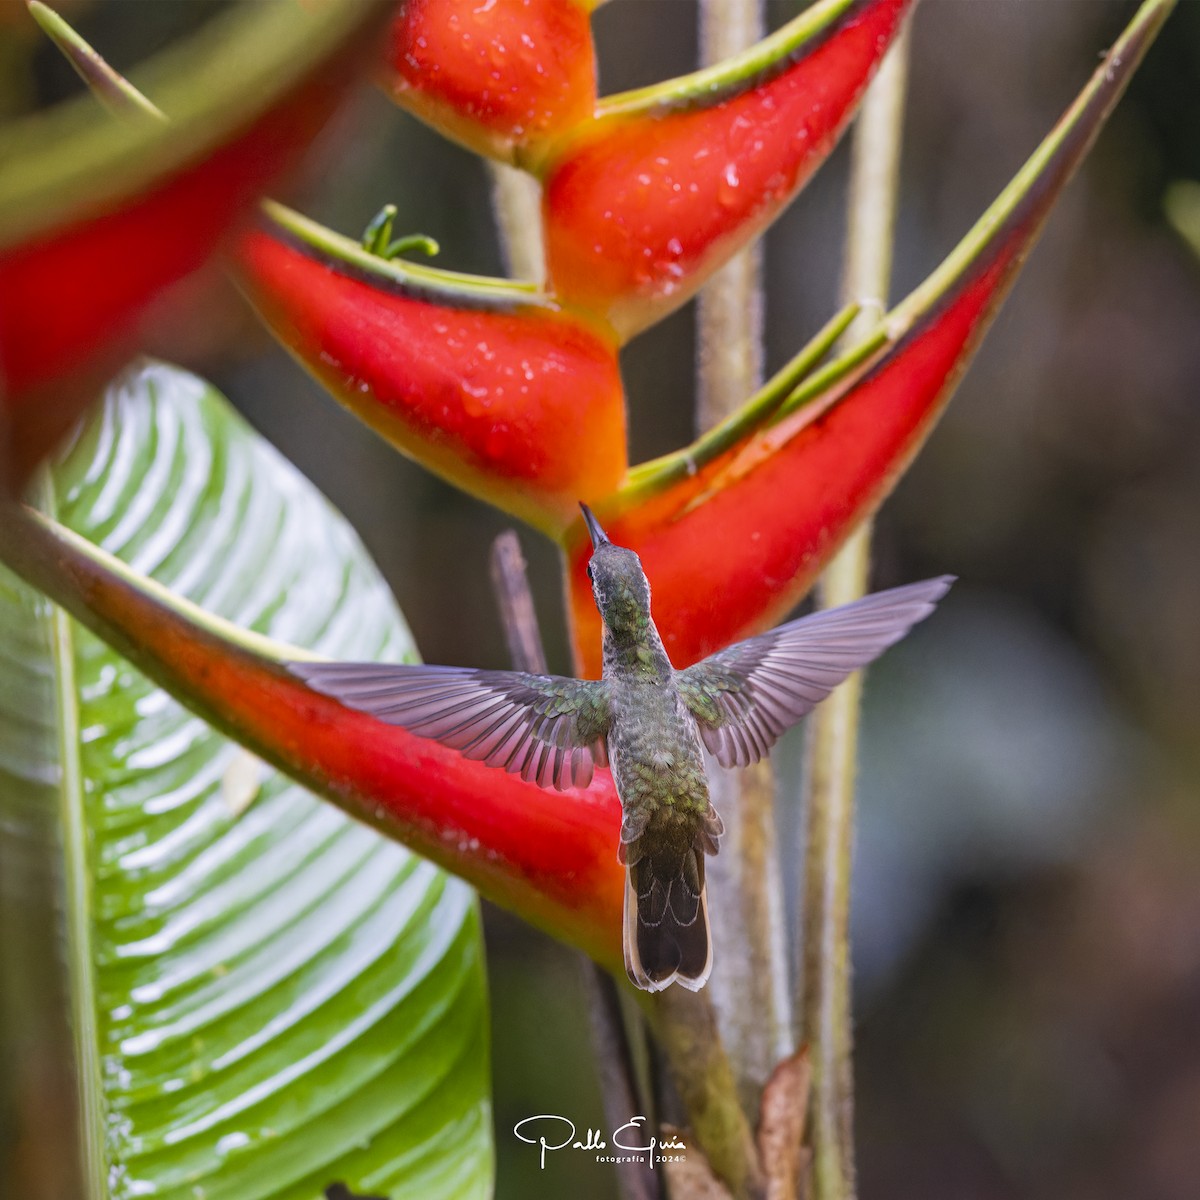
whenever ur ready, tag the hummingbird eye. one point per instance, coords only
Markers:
(589, 572)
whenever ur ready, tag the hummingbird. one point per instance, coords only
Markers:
(649, 723)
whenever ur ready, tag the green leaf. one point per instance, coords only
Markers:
(267, 997)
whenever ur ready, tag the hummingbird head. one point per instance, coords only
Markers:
(618, 582)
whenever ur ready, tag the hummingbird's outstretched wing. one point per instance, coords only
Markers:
(745, 696)
(549, 728)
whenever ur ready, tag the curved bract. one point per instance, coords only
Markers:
(646, 193)
(503, 77)
(489, 384)
(642, 205)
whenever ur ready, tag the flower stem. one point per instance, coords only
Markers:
(684, 1024)
(516, 203)
(825, 1002)
(749, 984)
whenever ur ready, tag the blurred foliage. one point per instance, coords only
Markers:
(1028, 887)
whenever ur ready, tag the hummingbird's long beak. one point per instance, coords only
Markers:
(599, 537)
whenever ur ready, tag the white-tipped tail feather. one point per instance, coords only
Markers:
(661, 976)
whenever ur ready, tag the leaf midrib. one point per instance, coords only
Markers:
(77, 894)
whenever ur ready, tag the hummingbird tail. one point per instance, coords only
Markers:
(666, 933)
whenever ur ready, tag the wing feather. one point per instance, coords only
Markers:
(745, 696)
(549, 729)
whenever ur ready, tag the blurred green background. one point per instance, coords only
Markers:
(1027, 889)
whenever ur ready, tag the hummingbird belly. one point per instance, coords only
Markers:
(656, 760)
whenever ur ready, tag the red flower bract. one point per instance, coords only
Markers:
(495, 388)
(643, 205)
(501, 77)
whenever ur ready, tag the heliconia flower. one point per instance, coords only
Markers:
(502, 77)
(103, 215)
(643, 203)
(733, 531)
(489, 383)
(548, 856)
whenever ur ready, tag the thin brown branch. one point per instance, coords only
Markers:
(510, 584)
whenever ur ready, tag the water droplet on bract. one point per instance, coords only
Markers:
(497, 446)
(727, 196)
(475, 399)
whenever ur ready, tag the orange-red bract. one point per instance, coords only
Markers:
(768, 514)
(549, 856)
(642, 206)
(506, 396)
(501, 77)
